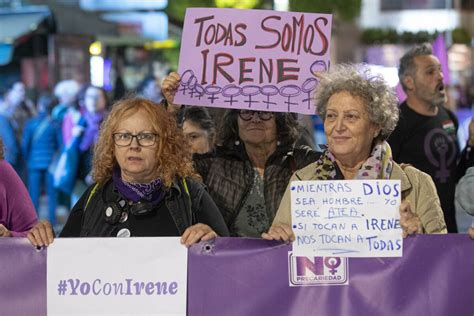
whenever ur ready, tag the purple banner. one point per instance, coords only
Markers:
(22, 278)
(250, 277)
(233, 276)
(440, 51)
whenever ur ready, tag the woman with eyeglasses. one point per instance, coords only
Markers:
(144, 183)
(247, 173)
(359, 110)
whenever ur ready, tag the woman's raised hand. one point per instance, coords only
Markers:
(169, 86)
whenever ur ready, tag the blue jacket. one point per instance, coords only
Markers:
(7, 133)
(41, 140)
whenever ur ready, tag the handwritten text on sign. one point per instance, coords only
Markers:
(356, 218)
(252, 59)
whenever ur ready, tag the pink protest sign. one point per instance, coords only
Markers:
(252, 59)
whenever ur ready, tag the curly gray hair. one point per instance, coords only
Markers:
(380, 100)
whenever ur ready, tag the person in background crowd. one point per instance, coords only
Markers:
(7, 133)
(41, 140)
(17, 213)
(425, 136)
(360, 111)
(464, 199)
(65, 111)
(18, 108)
(465, 187)
(465, 130)
(247, 174)
(199, 129)
(143, 183)
(93, 107)
(149, 89)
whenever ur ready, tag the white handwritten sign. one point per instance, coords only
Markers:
(117, 276)
(355, 218)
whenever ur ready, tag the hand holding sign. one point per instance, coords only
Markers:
(197, 232)
(170, 86)
(281, 232)
(4, 232)
(471, 232)
(41, 234)
(409, 222)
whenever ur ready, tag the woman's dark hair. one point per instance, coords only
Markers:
(145, 81)
(46, 101)
(1, 150)
(199, 116)
(81, 95)
(287, 128)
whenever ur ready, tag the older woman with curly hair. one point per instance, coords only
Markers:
(360, 111)
(143, 183)
(247, 173)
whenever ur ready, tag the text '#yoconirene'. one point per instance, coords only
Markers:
(121, 288)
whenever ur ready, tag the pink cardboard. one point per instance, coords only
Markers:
(252, 59)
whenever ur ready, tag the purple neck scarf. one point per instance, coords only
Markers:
(91, 131)
(152, 192)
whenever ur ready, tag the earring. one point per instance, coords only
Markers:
(237, 142)
(278, 143)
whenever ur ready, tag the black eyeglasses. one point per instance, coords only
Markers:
(247, 115)
(143, 139)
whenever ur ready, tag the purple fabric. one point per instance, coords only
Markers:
(440, 51)
(23, 278)
(91, 131)
(152, 192)
(17, 212)
(250, 277)
(402, 96)
(67, 125)
(242, 276)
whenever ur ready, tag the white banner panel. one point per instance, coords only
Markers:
(116, 276)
